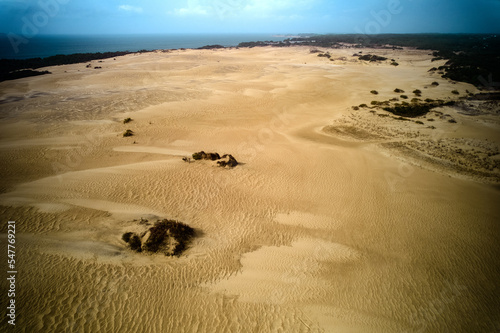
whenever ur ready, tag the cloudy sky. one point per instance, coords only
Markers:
(249, 16)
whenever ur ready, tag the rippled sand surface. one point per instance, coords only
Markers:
(319, 229)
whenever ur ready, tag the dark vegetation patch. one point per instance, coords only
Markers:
(211, 47)
(415, 109)
(127, 120)
(128, 133)
(471, 58)
(399, 91)
(227, 160)
(20, 74)
(25, 67)
(169, 237)
(374, 92)
(372, 58)
(325, 55)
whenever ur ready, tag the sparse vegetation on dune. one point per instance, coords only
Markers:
(399, 91)
(127, 120)
(226, 159)
(371, 58)
(374, 92)
(206, 156)
(415, 109)
(169, 237)
(128, 133)
(325, 55)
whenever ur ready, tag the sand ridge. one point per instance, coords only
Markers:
(321, 228)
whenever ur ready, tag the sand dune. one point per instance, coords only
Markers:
(336, 220)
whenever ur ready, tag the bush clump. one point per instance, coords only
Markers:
(363, 105)
(135, 243)
(355, 108)
(226, 160)
(127, 120)
(417, 92)
(167, 236)
(128, 133)
(206, 156)
(455, 92)
(394, 63)
(372, 58)
(399, 91)
(126, 236)
(415, 109)
(404, 97)
(374, 92)
(435, 84)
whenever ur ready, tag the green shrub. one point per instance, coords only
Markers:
(394, 63)
(355, 108)
(417, 92)
(435, 84)
(399, 91)
(429, 100)
(453, 121)
(455, 92)
(374, 92)
(404, 97)
(419, 122)
(415, 100)
(127, 120)
(374, 103)
(363, 105)
(430, 119)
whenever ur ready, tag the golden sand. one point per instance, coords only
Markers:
(336, 220)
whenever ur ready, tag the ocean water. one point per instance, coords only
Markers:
(45, 46)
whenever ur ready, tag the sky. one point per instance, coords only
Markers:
(31, 17)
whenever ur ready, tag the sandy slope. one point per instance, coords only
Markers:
(320, 229)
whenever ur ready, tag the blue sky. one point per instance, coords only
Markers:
(249, 16)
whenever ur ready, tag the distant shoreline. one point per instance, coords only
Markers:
(471, 58)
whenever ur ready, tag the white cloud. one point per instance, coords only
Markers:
(191, 10)
(129, 8)
(224, 8)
